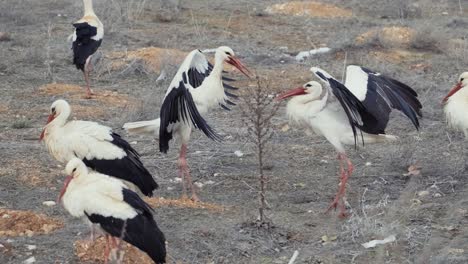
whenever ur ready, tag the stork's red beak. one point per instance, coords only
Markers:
(455, 89)
(292, 92)
(49, 119)
(238, 64)
(64, 188)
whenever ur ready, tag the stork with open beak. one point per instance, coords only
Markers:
(456, 105)
(196, 88)
(86, 38)
(351, 113)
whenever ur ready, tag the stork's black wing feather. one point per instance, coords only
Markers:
(384, 93)
(354, 109)
(178, 106)
(128, 168)
(84, 46)
(141, 231)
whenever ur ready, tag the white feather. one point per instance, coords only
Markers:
(143, 127)
(356, 81)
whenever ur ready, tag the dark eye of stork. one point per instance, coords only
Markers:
(53, 110)
(461, 80)
(228, 53)
(308, 85)
(74, 170)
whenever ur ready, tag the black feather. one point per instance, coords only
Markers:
(178, 106)
(129, 167)
(141, 231)
(84, 46)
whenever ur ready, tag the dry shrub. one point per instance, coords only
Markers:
(257, 109)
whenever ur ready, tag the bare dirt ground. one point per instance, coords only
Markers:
(423, 43)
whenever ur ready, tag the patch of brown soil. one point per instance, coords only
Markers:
(396, 36)
(107, 97)
(94, 251)
(26, 223)
(398, 56)
(153, 57)
(29, 172)
(309, 8)
(3, 109)
(182, 203)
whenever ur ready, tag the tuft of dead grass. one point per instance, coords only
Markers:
(94, 251)
(26, 223)
(157, 202)
(109, 98)
(387, 36)
(309, 8)
(153, 57)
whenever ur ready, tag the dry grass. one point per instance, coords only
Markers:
(183, 203)
(308, 8)
(388, 36)
(26, 223)
(109, 98)
(153, 57)
(94, 251)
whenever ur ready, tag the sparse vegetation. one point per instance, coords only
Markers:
(258, 109)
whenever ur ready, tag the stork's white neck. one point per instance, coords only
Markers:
(218, 66)
(61, 119)
(88, 7)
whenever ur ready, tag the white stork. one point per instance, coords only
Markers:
(357, 111)
(456, 105)
(196, 88)
(95, 144)
(119, 212)
(87, 38)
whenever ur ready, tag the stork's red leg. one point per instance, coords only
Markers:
(107, 250)
(182, 165)
(339, 200)
(185, 171)
(87, 69)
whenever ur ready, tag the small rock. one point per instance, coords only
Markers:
(323, 161)
(170, 188)
(209, 182)
(177, 179)
(4, 36)
(217, 174)
(134, 142)
(31, 247)
(285, 128)
(30, 260)
(238, 153)
(368, 163)
(437, 195)
(199, 184)
(49, 203)
(423, 193)
(29, 233)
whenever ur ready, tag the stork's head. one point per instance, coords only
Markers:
(75, 168)
(462, 82)
(227, 54)
(311, 87)
(58, 108)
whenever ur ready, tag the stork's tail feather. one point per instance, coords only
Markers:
(143, 127)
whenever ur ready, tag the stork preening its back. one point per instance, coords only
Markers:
(118, 211)
(351, 113)
(456, 105)
(87, 38)
(98, 146)
(196, 88)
